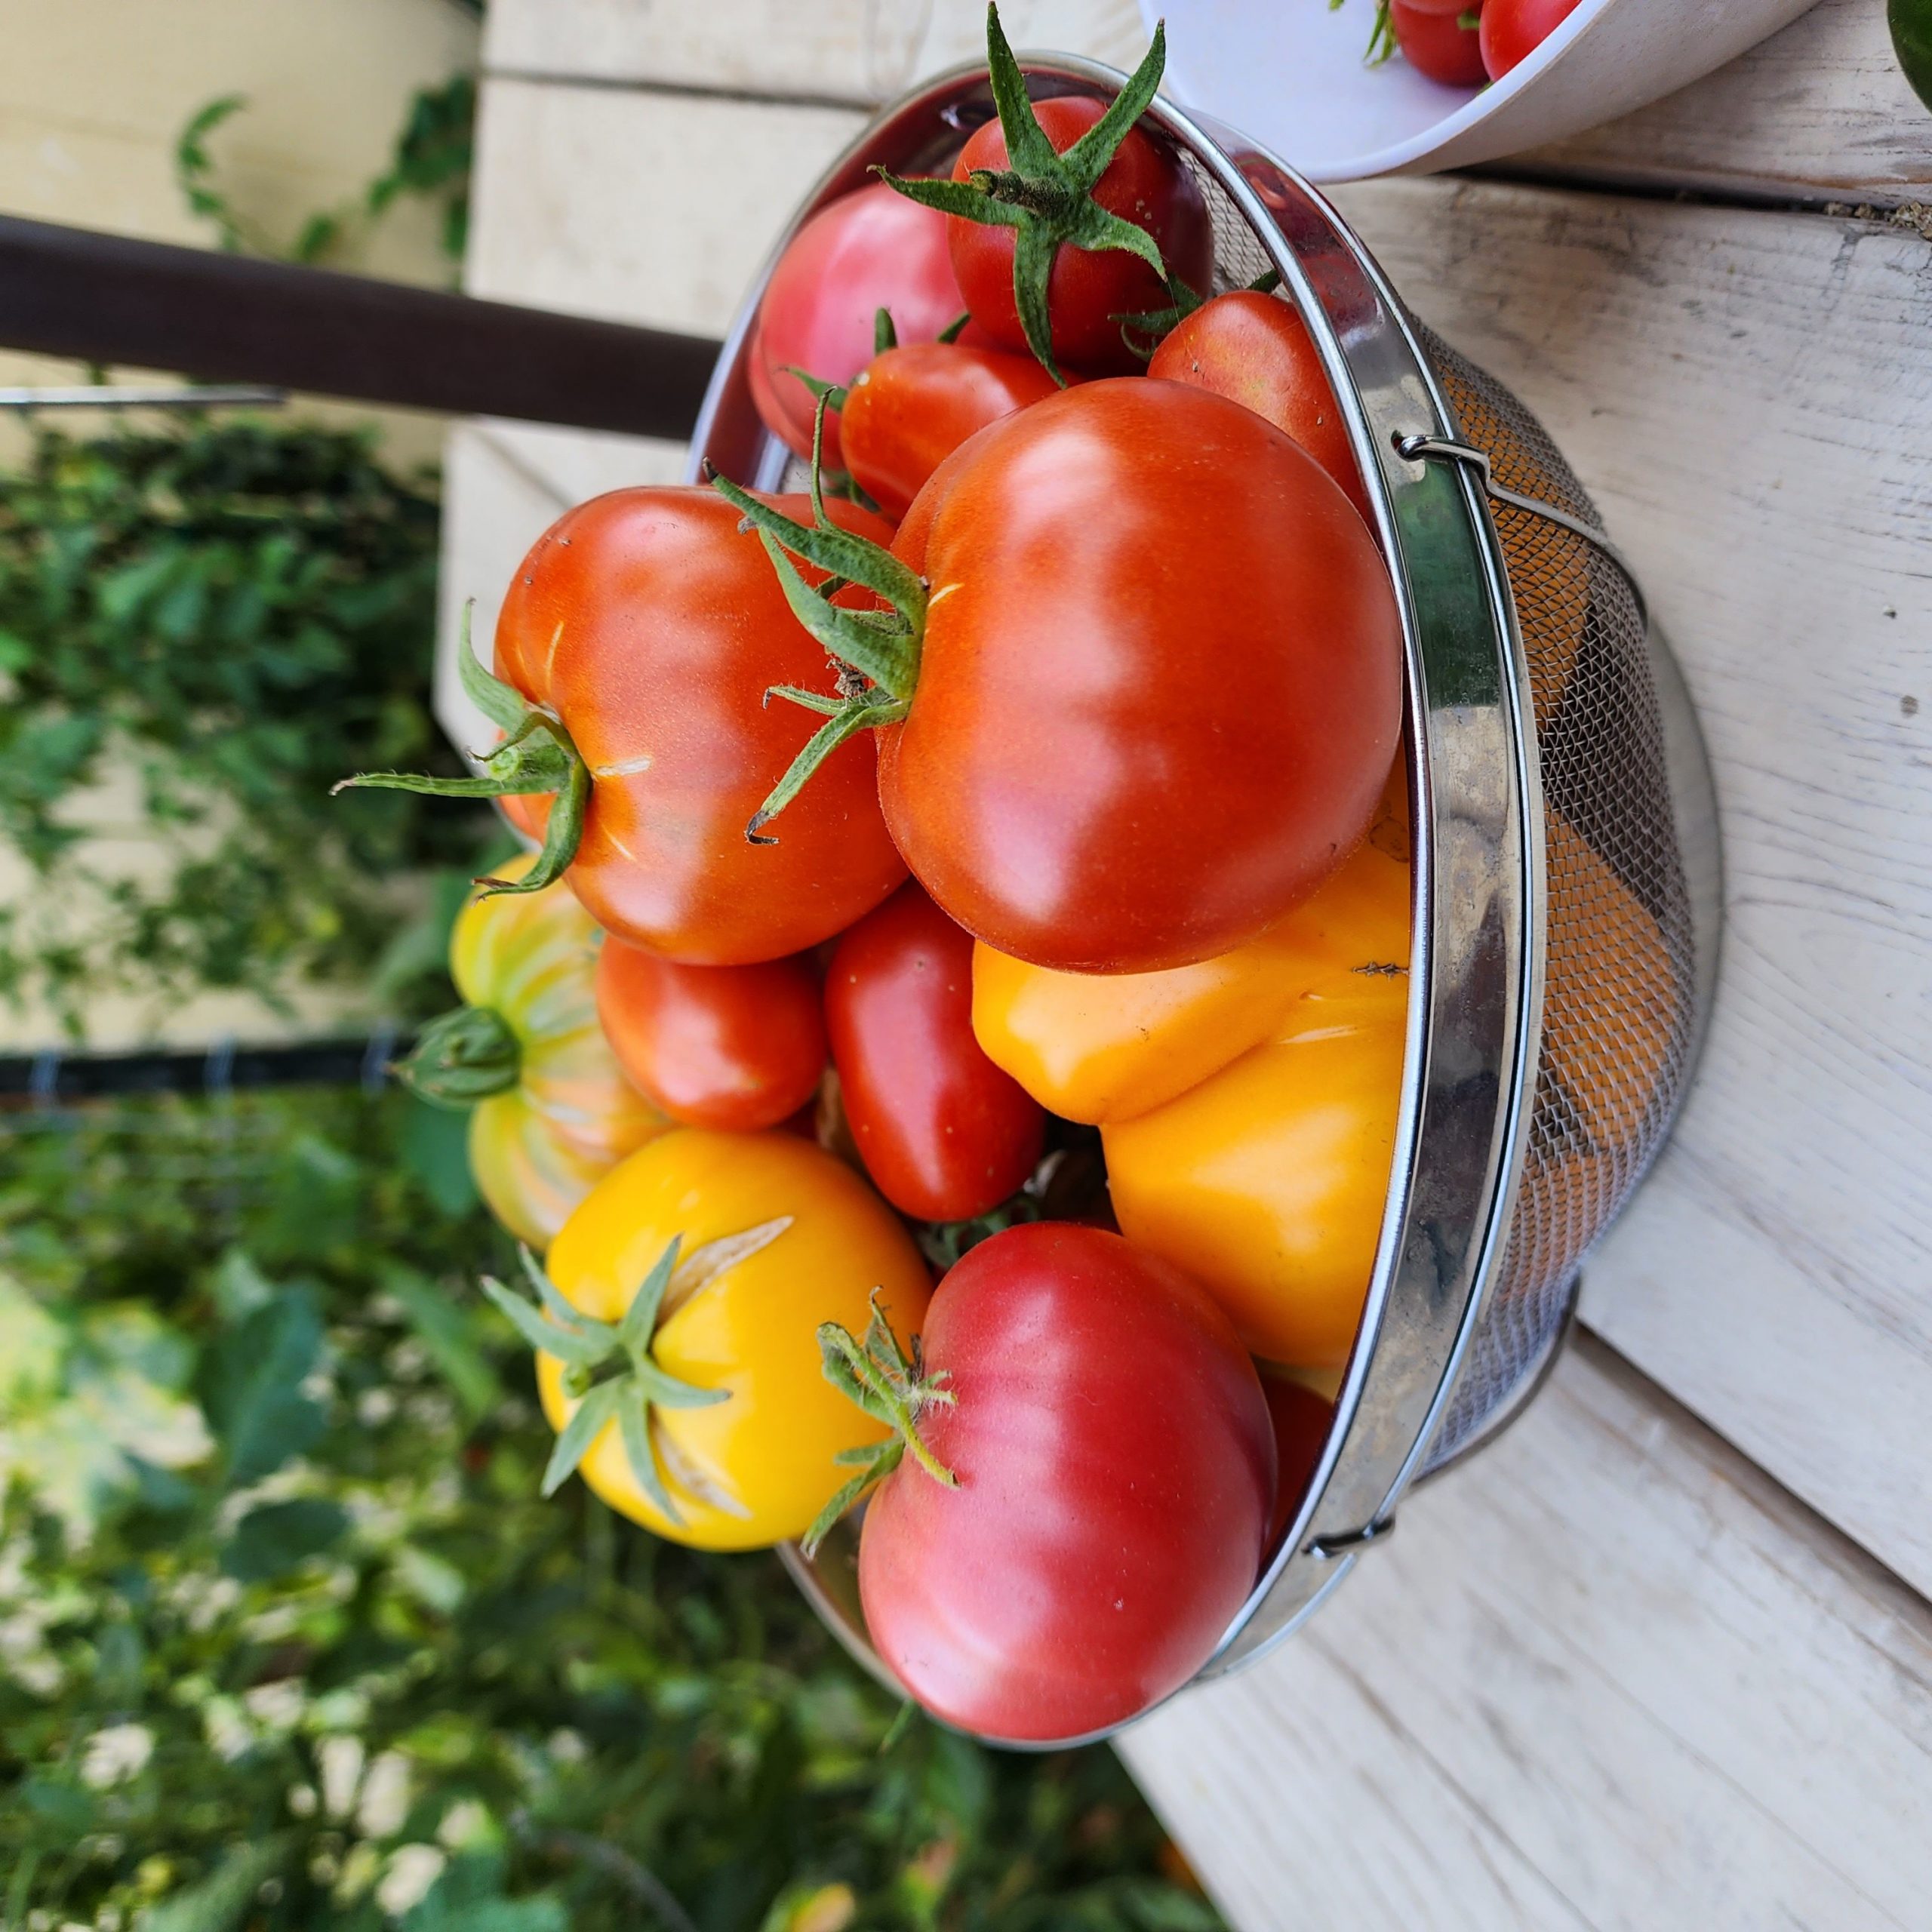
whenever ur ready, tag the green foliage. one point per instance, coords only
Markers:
(308, 1649)
(431, 159)
(231, 615)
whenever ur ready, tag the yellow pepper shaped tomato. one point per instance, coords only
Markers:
(1267, 1182)
(1102, 1048)
(552, 1111)
(741, 1438)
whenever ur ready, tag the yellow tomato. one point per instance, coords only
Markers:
(776, 1237)
(553, 1112)
(1106, 1047)
(1267, 1182)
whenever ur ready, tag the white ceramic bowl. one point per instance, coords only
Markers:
(1290, 73)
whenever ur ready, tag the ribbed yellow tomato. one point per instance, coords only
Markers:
(776, 1237)
(1267, 1182)
(553, 1112)
(1101, 1047)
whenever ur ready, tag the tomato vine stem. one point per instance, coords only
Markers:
(892, 1387)
(1044, 196)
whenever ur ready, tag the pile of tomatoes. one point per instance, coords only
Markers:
(1463, 43)
(946, 1052)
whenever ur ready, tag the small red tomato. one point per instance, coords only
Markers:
(1513, 29)
(1115, 1467)
(1255, 350)
(908, 410)
(1070, 784)
(1301, 1420)
(944, 1133)
(868, 250)
(1438, 44)
(1145, 184)
(739, 1048)
(651, 626)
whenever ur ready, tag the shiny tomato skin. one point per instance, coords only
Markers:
(652, 626)
(1513, 29)
(1438, 45)
(737, 1048)
(1086, 289)
(870, 250)
(909, 409)
(944, 1133)
(1255, 350)
(1302, 1417)
(1156, 704)
(1116, 1468)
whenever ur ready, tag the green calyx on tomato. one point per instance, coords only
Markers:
(461, 1058)
(892, 1387)
(1144, 333)
(609, 1369)
(1046, 197)
(536, 756)
(879, 648)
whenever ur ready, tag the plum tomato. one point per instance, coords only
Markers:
(1077, 1505)
(1438, 45)
(1155, 707)
(945, 1134)
(739, 1048)
(1086, 289)
(870, 250)
(910, 408)
(634, 651)
(1254, 349)
(1513, 29)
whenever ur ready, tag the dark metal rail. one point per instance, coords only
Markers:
(219, 318)
(53, 1078)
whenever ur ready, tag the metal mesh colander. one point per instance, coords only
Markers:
(1563, 954)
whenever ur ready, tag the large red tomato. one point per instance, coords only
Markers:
(1437, 43)
(651, 625)
(1513, 29)
(868, 251)
(1114, 1466)
(909, 409)
(738, 1047)
(1087, 289)
(1160, 686)
(1254, 349)
(945, 1134)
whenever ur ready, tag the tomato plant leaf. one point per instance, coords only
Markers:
(251, 1388)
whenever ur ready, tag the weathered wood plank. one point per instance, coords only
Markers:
(641, 207)
(1607, 1676)
(1819, 111)
(1748, 395)
(852, 50)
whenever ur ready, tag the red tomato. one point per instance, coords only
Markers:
(1155, 707)
(1441, 7)
(944, 1133)
(1301, 1420)
(1513, 29)
(1254, 349)
(739, 1048)
(909, 409)
(868, 251)
(1115, 1467)
(1145, 184)
(651, 626)
(1438, 45)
